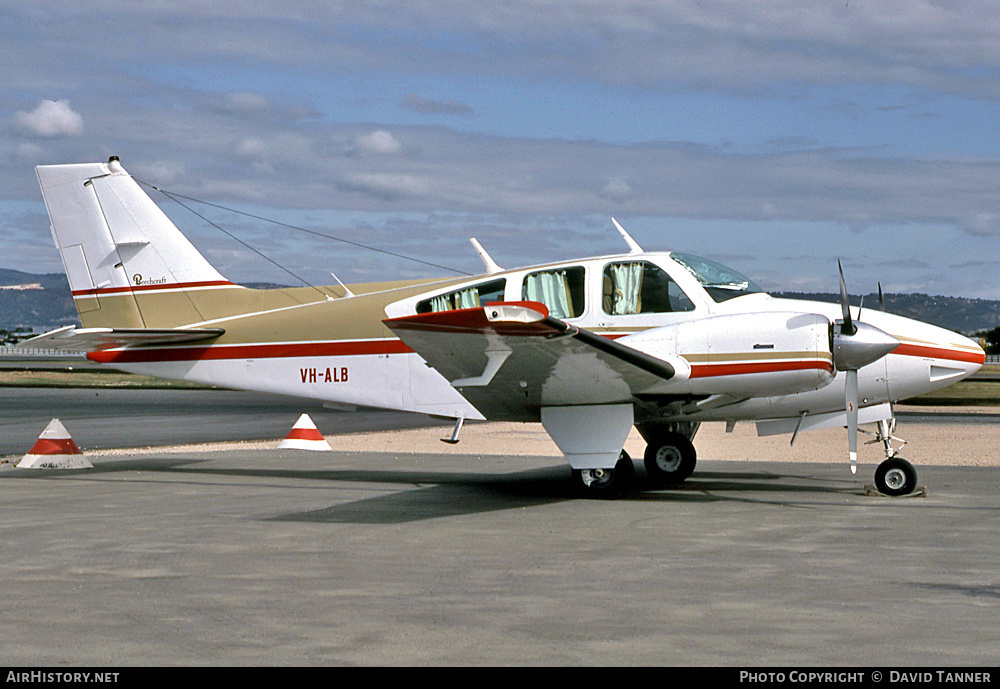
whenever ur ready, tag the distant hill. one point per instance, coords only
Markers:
(959, 314)
(37, 301)
(43, 302)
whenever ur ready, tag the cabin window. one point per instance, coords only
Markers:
(561, 290)
(641, 287)
(465, 298)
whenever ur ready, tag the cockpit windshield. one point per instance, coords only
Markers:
(720, 282)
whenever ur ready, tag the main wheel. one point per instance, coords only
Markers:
(607, 483)
(670, 458)
(895, 476)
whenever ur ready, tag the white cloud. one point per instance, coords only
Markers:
(30, 152)
(51, 119)
(387, 187)
(617, 190)
(429, 106)
(245, 102)
(160, 172)
(251, 147)
(380, 142)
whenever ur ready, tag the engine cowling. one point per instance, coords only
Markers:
(745, 354)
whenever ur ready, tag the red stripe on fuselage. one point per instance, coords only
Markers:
(395, 346)
(249, 351)
(713, 370)
(941, 353)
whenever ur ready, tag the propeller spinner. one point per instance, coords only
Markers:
(855, 345)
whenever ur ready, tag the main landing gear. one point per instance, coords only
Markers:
(607, 483)
(669, 459)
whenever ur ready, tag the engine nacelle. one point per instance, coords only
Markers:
(744, 354)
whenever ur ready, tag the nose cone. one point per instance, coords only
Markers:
(975, 356)
(865, 345)
(945, 349)
(929, 358)
(977, 353)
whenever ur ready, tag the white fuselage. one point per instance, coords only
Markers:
(756, 356)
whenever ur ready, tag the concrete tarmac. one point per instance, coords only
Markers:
(363, 557)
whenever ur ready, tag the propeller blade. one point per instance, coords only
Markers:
(848, 326)
(851, 400)
(881, 301)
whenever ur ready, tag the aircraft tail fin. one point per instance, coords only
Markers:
(117, 246)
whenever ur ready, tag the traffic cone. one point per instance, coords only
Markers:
(54, 449)
(304, 436)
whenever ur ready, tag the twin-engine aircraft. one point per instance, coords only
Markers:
(662, 341)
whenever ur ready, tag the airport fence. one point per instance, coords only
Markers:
(20, 353)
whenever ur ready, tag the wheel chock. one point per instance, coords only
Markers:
(918, 492)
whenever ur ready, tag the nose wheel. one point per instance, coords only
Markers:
(895, 476)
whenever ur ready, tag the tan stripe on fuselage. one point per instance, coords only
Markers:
(255, 315)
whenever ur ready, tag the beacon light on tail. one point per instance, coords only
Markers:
(663, 341)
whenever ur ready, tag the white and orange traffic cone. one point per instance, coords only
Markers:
(54, 449)
(304, 436)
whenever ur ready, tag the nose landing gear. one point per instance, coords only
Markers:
(894, 476)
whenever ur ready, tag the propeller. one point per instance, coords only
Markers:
(847, 325)
(855, 345)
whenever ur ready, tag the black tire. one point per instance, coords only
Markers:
(670, 458)
(895, 476)
(607, 483)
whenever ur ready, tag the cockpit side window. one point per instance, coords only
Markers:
(465, 298)
(720, 282)
(641, 287)
(561, 290)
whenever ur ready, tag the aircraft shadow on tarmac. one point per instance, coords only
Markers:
(420, 495)
(981, 591)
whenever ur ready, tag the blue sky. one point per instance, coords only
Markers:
(776, 136)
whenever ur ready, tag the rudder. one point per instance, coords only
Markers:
(117, 247)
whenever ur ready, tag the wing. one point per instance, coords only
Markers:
(511, 359)
(73, 339)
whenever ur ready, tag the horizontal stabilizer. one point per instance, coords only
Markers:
(73, 339)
